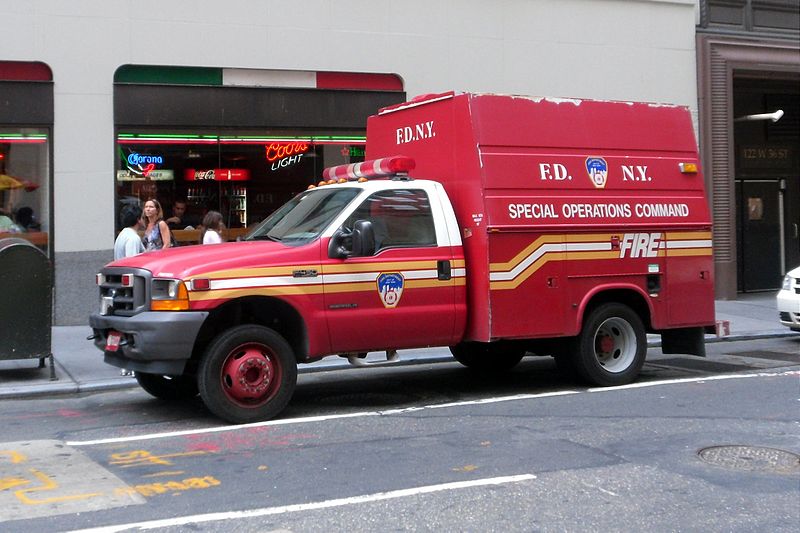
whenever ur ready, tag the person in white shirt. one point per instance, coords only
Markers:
(128, 242)
(212, 228)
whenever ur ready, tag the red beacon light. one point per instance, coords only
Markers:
(375, 168)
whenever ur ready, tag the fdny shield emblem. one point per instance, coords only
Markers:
(598, 171)
(390, 288)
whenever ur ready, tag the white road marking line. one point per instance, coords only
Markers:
(321, 418)
(361, 414)
(219, 429)
(692, 380)
(299, 507)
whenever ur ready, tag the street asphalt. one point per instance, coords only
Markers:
(79, 367)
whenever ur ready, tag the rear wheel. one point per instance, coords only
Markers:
(611, 347)
(168, 387)
(485, 356)
(248, 374)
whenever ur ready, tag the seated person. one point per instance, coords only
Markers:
(180, 219)
(26, 220)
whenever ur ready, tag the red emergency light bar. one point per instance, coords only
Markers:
(376, 168)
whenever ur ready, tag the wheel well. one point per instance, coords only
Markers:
(270, 312)
(631, 298)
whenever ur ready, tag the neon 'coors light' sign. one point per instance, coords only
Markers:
(281, 155)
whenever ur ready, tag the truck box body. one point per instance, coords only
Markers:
(559, 199)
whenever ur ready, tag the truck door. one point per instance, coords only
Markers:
(403, 295)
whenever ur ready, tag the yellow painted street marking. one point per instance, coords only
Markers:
(142, 457)
(15, 456)
(48, 484)
(164, 474)
(155, 489)
(11, 482)
(47, 478)
(465, 468)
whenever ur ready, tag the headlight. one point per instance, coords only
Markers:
(787, 283)
(169, 295)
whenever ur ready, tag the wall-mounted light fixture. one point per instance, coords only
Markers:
(774, 117)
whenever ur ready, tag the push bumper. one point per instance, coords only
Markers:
(154, 342)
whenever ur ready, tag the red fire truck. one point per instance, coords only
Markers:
(500, 226)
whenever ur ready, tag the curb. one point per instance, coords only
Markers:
(71, 386)
(68, 387)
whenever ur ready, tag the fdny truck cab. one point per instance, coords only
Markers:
(500, 226)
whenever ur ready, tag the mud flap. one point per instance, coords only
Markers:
(689, 341)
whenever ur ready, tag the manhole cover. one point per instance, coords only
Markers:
(752, 458)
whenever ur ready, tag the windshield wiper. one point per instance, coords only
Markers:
(264, 237)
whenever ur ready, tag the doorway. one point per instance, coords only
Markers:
(767, 184)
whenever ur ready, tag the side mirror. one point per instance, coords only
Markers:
(341, 244)
(363, 239)
(358, 242)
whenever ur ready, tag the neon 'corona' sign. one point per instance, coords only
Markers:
(142, 164)
(139, 159)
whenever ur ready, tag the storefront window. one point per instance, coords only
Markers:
(24, 179)
(244, 177)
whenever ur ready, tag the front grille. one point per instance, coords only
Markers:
(123, 301)
(786, 317)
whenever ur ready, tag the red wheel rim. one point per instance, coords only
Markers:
(605, 344)
(251, 375)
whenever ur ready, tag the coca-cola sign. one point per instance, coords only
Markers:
(216, 174)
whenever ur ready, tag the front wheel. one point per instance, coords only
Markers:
(487, 357)
(168, 388)
(611, 347)
(248, 374)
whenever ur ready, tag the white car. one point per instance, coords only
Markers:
(789, 300)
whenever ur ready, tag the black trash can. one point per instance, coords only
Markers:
(26, 303)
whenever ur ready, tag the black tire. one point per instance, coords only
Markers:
(487, 357)
(611, 347)
(168, 388)
(248, 374)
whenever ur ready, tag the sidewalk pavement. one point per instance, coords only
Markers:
(79, 366)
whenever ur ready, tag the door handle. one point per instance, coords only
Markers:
(443, 270)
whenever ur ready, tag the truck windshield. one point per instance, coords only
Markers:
(302, 219)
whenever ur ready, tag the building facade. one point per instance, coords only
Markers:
(748, 56)
(236, 105)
